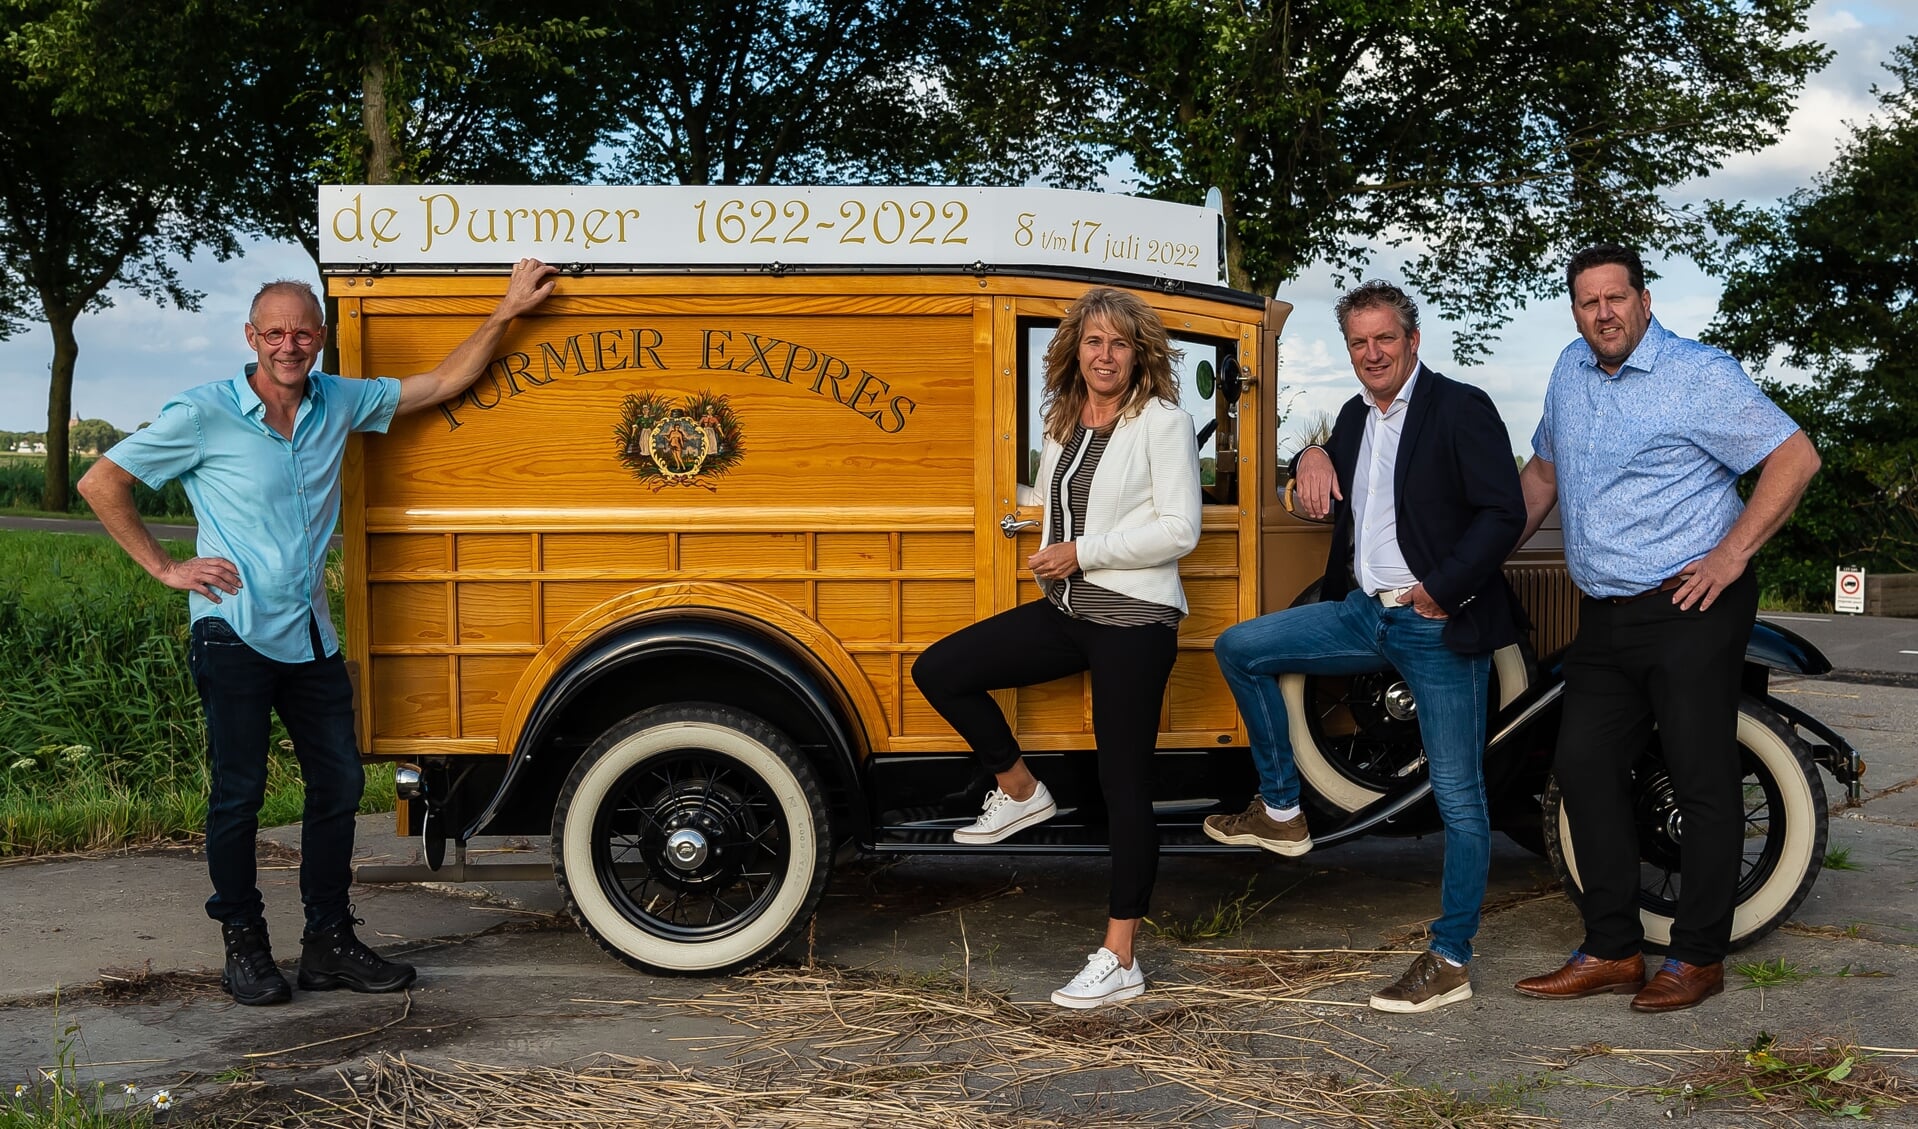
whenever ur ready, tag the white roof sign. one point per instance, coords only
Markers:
(399, 226)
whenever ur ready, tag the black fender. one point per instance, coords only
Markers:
(1780, 648)
(1771, 648)
(708, 638)
(1531, 721)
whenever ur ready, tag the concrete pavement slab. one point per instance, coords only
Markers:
(75, 918)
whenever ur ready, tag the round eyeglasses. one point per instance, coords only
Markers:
(274, 338)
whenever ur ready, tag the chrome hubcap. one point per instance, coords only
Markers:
(686, 849)
(1399, 704)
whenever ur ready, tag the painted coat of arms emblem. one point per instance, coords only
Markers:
(684, 443)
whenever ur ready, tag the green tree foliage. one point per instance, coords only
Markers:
(1827, 282)
(94, 436)
(381, 92)
(109, 171)
(1488, 139)
(771, 91)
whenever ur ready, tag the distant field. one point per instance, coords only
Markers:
(101, 738)
(23, 485)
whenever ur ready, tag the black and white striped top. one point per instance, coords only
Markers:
(1071, 485)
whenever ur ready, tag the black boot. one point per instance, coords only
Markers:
(335, 958)
(250, 975)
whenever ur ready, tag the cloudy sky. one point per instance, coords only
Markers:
(133, 356)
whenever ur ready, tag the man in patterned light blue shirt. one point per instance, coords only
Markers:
(259, 457)
(1644, 437)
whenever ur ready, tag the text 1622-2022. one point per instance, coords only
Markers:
(792, 221)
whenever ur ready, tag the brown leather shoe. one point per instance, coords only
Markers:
(1587, 975)
(1679, 985)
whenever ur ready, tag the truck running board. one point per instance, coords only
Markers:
(457, 872)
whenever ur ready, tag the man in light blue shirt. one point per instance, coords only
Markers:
(259, 457)
(1643, 439)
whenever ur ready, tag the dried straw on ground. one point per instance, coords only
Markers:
(1243, 1040)
(1766, 1084)
(1234, 1038)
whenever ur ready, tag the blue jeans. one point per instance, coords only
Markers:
(239, 689)
(1358, 635)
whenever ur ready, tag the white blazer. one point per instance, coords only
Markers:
(1142, 513)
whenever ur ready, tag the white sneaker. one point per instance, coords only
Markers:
(1006, 816)
(1102, 982)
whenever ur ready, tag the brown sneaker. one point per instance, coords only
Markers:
(1254, 828)
(1430, 984)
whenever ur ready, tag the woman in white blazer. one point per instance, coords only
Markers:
(1119, 479)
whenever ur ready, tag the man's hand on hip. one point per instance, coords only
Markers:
(1423, 603)
(209, 576)
(1706, 577)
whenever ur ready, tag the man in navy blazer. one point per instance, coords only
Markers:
(1424, 494)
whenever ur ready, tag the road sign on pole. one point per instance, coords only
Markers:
(1850, 596)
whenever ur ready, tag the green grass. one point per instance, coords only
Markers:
(1771, 973)
(101, 737)
(1225, 918)
(55, 1097)
(1839, 858)
(23, 486)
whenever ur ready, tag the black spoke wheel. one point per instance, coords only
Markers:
(1366, 726)
(691, 839)
(1785, 822)
(1356, 737)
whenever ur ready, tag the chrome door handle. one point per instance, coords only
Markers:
(1010, 525)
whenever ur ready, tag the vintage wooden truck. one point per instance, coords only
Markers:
(655, 584)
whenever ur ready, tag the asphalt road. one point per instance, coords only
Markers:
(1858, 643)
(88, 525)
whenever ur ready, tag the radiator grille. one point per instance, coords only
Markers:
(1551, 600)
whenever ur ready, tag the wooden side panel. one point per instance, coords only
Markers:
(565, 601)
(409, 552)
(485, 684)
(496, 613)
(821, 459)
(411, 615)
(857, 611)
(640, 553)
(498, 552)
(874, 410)
(409, 696)
(1197, 697)
(930, 610)
(855, 552)
(839, 446)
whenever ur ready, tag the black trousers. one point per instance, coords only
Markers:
(1036, 643)
(240, 689)
(1634, 665)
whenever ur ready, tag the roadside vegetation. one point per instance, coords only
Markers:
(57, 1098)
(101, 739)
(23, 487)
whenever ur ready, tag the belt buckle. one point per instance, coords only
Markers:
(1389, 597)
